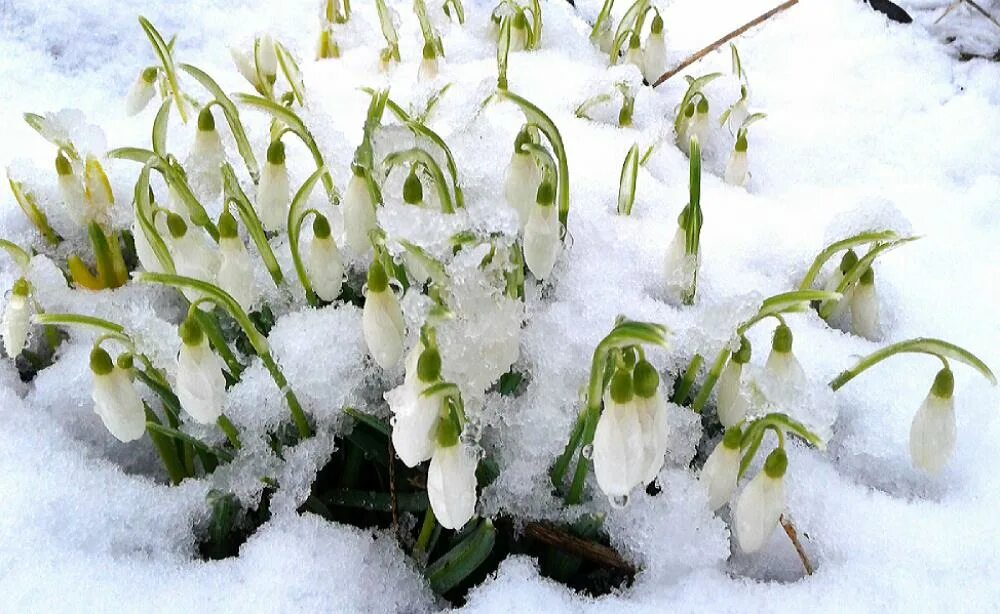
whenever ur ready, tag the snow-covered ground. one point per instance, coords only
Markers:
(870, 124)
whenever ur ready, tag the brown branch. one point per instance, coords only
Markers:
(567, 542)
(789, 528)
(725, 39)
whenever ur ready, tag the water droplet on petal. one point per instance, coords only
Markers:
(392, 422)
(588, 450)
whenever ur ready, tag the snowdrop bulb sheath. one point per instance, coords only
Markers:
(359, 214)
(932, 434)
(451, 485)
(273, 190)
(382, 319)
(141, 92)
(17, 319)
(324, 263)
(201, 386)
(115, 399)
(760, 505)
(721, 470)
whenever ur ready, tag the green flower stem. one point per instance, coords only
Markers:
(232, 434)
(630, 23)
(683, 388)
(542, 156)
(426, 531)
(257, 340)
(163, 52)
(535, 116)
(420, 156)
(197, 445)
(558, 471)
(839, 246)
(604, 15)
(165, 448)
(862, 265)
(47, 131)
(296, 217)
(713, 376)
(694, 88)
(236, 196)
(780, 423)
(296, 125)
(922, 345)
(503, 51)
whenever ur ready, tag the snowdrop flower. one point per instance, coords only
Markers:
(654, 56)
(451, 484)
(701, 125)
(732, 408)
(245, 65)
(634, 54)
(382, 319)
(523, 178)
(235, 274)
(268, 59)
(736, 168)
(324, 264)
(115, 398)
(541, 233)
(17, 318)
(683, 138)
(192, 256)
(415, 422)
(630, 439)
(760, 505)
(71, 190)
(359, 213)
(722, 469)
(782, 365)
(932, 434)
(847, 262)
(429, 65)
(142, 91)
(273, 190)
(864, 306)
(207, 154)
(201, 386)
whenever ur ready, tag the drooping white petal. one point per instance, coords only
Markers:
(268, 57)
(451, 485)
(384, 328)
(325, 267)
(719, 475)
(359, 215)
(244, 64)
(619, 449)
(736, 168)
(204, 162)
(119, 405)
(428, 69)
(541, 240)
(235, 272)
(415, 422)
(273, 197)
(652, 413)
(831, 286)
(865, 311)
(932, 434)
(521, 185)
(138, 96)
(16, 323)
(633, 56)
(654, 58)
(757, 511)
(201, 386)
(194, 258)
(784, 367)
(732, 404)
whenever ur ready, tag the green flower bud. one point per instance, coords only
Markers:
(21, 287)
(776, 463)
(190, 332)
(782, 340)
(63, 167)
(646, 379)
(546, 194)
(657, 26)
(742, 355)
(227, 225)
(100, 361)
(429, 365)
(413, 190)
(848, 261)
(733, 438)
(149, 74)
(378, 281)
(125, 361)
(868, 277)
(276, 153)
(321, 227)
(206, 122)
(703, 106)
(176, 225)
(621, 387)
(944, 384)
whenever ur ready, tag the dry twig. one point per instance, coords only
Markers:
(789, 528)
(567, 542)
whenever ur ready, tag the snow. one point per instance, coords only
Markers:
(870, 125)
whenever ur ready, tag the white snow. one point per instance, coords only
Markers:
(870, 124)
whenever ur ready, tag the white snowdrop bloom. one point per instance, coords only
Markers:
(192, 256)
(522, 179)
(382, 319)
(932, 434)
(71, 190)
(847, 262)
(619, 452)
(733, 405)
(17, 318)
(721, 470)
(115, 398)
(429, 64)
(267, 58)
(651, 408)
(541, 233)
(273, 190)
(782, 365)
(359, 213)
(654, 56)
(760, 505)
(701, 124)
(245, 64)
(451, 484)
(141, 92)
(416, 417)
(739, 111)
(207, 155)
(864, 307)
(201, 386)
(633, 55)
(324, 264)
(737, 172)
(235, 274)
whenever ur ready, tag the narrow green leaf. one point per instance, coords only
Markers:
(197, 444)
(921, 345)
(251, 222)
(458, 563)
(160, 128)
(838, 246)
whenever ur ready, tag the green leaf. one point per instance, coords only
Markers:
(20, 257)
(921, 345)
(376, 501)
(291, 71)
(197, 444)
(43, 126)
(458, 563)
(251, 222)
(627, 181)
(503, 51)
(160, 129)
(838, 246)
(370, 421)
(796, 300)
(163, 52)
